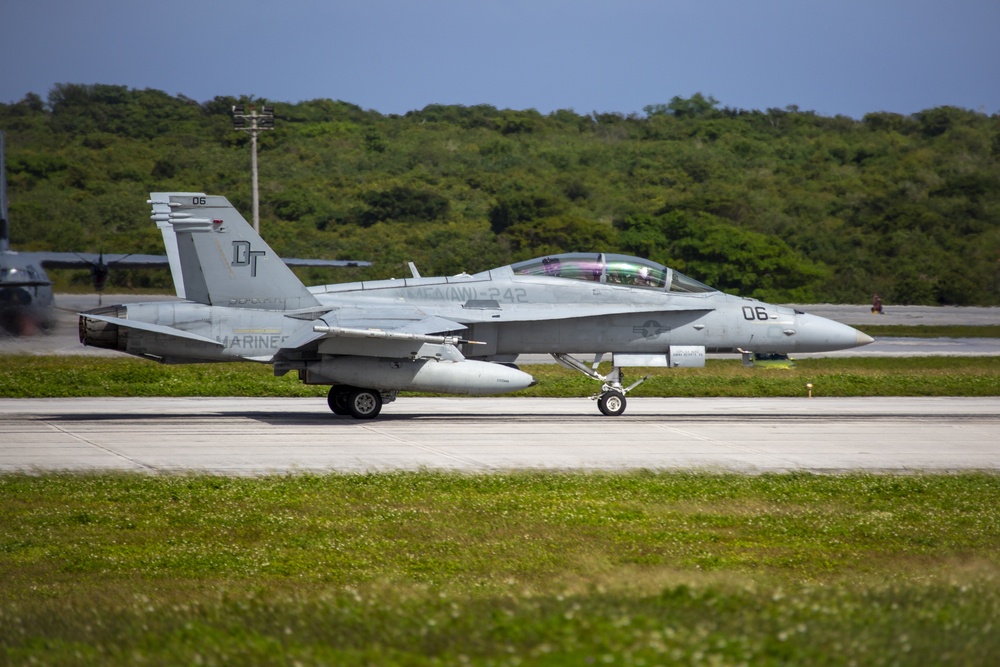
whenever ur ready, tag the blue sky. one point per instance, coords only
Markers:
(845, 57)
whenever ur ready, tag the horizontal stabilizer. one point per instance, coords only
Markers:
(151, 328)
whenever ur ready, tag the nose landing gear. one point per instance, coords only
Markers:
(611, 399)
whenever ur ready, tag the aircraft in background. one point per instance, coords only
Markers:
(26, 298)
(459, 334)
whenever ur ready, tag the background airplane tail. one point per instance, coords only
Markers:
(216, 257)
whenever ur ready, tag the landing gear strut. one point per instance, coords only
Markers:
(611, 399)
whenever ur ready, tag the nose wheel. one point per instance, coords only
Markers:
(611, 403)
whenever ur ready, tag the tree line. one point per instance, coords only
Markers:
(782, 204)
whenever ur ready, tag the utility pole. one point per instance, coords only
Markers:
(253, 123)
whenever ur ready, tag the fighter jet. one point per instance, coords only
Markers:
(26, 298)
(457, 334)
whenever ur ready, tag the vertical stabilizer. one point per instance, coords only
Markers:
(217, 259)
(4, 225)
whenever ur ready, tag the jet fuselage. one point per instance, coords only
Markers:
(510, 314)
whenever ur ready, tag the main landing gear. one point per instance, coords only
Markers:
(611, 400)
(357, 402)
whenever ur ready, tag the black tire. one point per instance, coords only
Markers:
(337, 399)
(364, 403)
(611, 403)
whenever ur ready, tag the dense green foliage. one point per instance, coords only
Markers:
(782, 204)
(500, 569)
(54, 377)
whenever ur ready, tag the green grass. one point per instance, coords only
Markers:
(527, 568)
(540, 569)
(54, 376)
(44, 377)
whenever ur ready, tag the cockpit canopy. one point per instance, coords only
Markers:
(610, 269)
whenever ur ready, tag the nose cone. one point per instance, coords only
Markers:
(818, 334)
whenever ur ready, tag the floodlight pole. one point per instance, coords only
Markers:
(253, 123)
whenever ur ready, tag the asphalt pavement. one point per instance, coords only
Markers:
(254, 436)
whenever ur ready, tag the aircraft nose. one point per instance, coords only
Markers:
(14, 296)
(818, 334)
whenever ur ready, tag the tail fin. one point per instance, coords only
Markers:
(216, 258)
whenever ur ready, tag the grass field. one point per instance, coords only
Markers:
(500, 569)
(46, 377)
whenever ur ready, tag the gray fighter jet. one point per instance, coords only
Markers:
(456, 334)
(26, 298)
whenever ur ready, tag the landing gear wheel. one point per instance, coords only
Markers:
(611, 403)
(364, 403)
(337, 399)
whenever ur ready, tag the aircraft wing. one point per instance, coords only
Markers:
(84, 260)
(296, 262)
(384, 331)
(401, 331)
(542, 312)
(401, 318)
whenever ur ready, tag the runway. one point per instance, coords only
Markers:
(240, 436)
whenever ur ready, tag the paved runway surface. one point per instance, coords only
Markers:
(236, 436)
